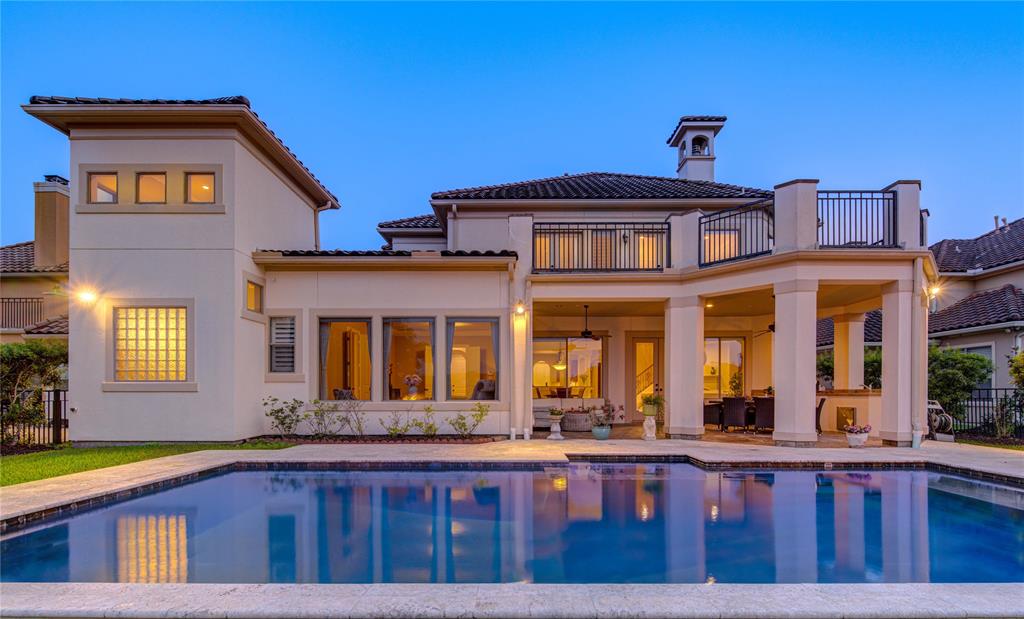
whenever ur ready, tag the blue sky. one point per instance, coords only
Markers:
(389, 102)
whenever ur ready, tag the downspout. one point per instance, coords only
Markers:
(316, 220)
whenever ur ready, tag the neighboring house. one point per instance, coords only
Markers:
(197, 230)
(977, 303)
(34, 274)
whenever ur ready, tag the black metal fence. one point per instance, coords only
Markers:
(997, 413)
(737, 233)
(600, 247)
(18, 312)
(857, 219)
(51, 428)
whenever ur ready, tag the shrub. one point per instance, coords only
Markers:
(873, 367)
(324, 418)
(1016, 363)
(952, 375)
(353, 416)
(825, 365)
(284, 416)
(26, 369)
(398, 424)
(426, 424)
(465, 426)
(736, 384)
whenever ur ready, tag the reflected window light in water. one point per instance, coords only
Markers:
(645, 513)
(711, 580)
(152, 549)
(714, 513)
(458, 528)
(560, 483)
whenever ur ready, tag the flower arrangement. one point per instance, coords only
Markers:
(606, 414)
(855, 429)
(412, 380)
(556, 412)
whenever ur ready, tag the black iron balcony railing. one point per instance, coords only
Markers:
(600, 247)
(18, 312)
(737, 233)
(857, 219)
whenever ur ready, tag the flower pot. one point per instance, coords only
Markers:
(856, 440)
(601, 433)
(650, 410)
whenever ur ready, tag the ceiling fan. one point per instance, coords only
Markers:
(586, 332)
(770, 329)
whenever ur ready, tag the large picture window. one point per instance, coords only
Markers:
(344, 359)
(568, 368)
(408, 359)
(472, 359)
(150, 344)
(723, 367)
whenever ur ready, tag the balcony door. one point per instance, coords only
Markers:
(646, 374)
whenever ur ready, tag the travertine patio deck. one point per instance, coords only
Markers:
(512, 599)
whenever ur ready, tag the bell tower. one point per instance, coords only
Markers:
(694, 136)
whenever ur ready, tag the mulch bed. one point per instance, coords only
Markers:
(16, 450)
(992, 440)
(305, 440)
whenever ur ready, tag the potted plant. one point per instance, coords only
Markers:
(857, 436)
(601, 421)
(556, 415)
(651, 403)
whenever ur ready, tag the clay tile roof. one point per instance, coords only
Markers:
(20, 258)
(419, 222)
(603, 186)
(378, 253)
(872, 329)
(992, 249)
(694, 119)
(988, 307)
(50, 326)
(233, 100)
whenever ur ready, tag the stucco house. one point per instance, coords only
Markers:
(34, 274)
(977, 303)
(195, 244)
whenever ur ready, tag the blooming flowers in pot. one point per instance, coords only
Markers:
(857, 436)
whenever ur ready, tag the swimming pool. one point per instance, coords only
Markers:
(579, 523)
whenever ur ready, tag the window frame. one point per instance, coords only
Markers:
(138, 175)
(565, 339)
(319, 389)
(88, 187)
(743, 365)
(450, 341)
(213, 189)
(248, 314)
(112, 384)
(298, 376)
(385, 356)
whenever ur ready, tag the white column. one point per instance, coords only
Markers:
(684, 232)
(848, 351)
(908, 214)
(794, 519)
(684, 367)
(897, 363)
(794, 367)
(522, 414)
(796, 215)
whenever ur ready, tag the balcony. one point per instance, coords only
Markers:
(844, 220)
(629, 247)
(19, 312)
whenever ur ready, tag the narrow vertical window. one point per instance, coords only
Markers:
(472, 355)
(409, 358)
(150, 344)
(253, 297)
(150, 188)
(345, 369)
(282, 344)
(199, 188)
(103, 188)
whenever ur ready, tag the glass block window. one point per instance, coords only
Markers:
(282, 344)
(150, 344)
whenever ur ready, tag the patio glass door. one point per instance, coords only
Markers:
(647, 372)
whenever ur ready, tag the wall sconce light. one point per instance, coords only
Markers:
(520, 307)
(935, 290)
(86, 296)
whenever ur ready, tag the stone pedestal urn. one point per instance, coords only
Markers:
(650, 428)
(556, 429)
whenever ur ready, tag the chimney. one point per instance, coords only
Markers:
(694, 136)
(51, 235)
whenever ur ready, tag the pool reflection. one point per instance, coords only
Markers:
(581, 523)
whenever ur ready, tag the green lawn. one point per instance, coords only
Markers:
(986, 444)
(44, 464)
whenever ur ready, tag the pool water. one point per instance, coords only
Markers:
(580, 523)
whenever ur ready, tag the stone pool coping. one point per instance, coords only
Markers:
(35, 502)
(511, 600)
